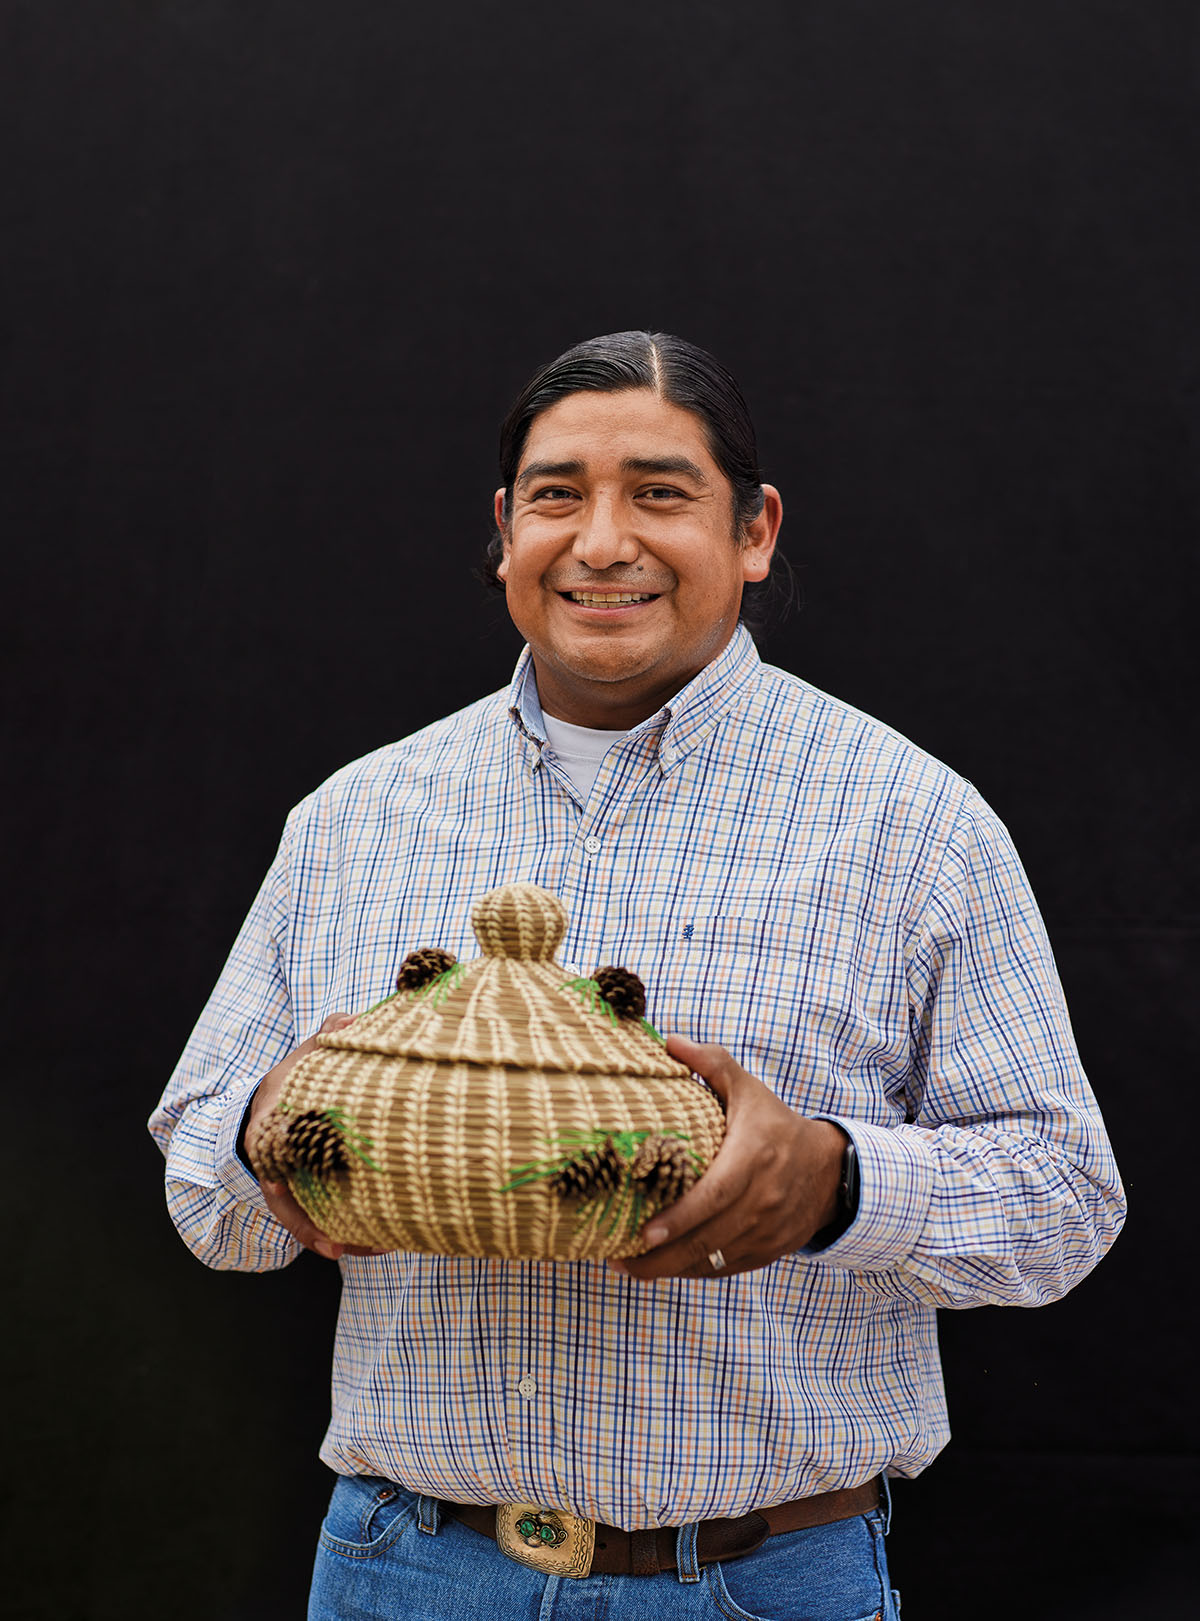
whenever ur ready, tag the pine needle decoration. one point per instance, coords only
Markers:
(353, 1138)
(314, 1153)
(614, 1178)
(617, 993)
(590, 995)
(267, 1147)
(438, 989)
(420, 967)
(596, 1171)
(664, 1168)
(622, 990)
(315, 1145)
(319, 1159)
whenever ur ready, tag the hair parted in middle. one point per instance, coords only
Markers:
(679, 372)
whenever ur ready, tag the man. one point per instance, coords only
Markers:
(841, 936)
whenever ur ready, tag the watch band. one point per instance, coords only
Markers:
(849, 1187)
(847, 1201)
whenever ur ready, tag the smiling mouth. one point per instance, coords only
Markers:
(604, 599)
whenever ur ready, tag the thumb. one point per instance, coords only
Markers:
(336, 1021)
(712, 1063)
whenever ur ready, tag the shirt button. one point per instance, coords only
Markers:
(572, 968)
(591, 844)
(527, 1387)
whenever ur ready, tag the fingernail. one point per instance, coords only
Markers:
(654, 1235)
(619, 1266)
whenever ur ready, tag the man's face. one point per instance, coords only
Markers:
(618, 497)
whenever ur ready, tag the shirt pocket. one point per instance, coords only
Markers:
(778, 998)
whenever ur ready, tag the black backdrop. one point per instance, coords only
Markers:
(273, 273)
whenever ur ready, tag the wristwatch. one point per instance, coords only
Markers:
(847, 1200)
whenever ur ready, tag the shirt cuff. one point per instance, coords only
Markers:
(233, 1172)
(895, 1187)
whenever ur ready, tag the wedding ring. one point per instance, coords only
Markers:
(716, 1260)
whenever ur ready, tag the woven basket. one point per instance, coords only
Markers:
(502, 1108)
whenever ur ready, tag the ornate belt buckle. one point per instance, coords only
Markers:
(551, 1540)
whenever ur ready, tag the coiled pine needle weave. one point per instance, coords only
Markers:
(501, 1108)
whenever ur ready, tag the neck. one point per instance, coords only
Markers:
(612, 706)
(604, 712)
(556, 721)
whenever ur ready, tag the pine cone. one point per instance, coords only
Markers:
(315, 1145)
(420, 967)
(664, 1168)
(623, 991)
(267, 1146)
(592, 1173)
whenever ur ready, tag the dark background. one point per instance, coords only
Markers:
(273, 272)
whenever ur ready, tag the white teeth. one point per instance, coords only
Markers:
(613, 596)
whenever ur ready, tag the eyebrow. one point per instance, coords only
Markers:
(632, 464)
(549, 470)
(664, 464)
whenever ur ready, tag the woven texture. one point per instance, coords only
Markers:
(475, 1109)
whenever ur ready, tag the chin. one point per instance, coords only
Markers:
(604, 669)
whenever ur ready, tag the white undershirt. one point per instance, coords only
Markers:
(578, 749)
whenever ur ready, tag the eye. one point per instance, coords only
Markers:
(659, 493)
(554, 492)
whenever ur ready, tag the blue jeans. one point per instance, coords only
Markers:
(386, 1554)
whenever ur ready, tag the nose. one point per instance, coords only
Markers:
(604, 537)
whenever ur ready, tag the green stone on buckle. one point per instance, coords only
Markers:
(551, 1540)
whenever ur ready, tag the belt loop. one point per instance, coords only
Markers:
(429, 1516)
(686, 1564)
(886, 1496)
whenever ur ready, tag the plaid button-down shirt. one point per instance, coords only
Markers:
(791, 879)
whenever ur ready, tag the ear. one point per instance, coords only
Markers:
(761, 534)
(498, 512)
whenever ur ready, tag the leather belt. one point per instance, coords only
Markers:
(559, 1543)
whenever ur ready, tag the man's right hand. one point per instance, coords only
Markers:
(279, 1201)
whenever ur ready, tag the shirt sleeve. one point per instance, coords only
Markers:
(1002, 1188)
(246, 1028)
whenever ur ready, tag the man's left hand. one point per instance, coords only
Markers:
(773, 1184)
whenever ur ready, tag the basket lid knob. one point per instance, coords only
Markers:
(519, 920)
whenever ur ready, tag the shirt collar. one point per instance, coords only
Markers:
(681, 724)
(523, 703)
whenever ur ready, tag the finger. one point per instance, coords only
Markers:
(720, 1187)
(641, 1270)
(712, 1063)
(284, 1206)
(706, 1272)
(336, 1021)
(690, 1256)
(683, 1235)
(285, 1209)
(726, 1180)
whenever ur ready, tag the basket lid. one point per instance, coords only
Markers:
(515, 1005)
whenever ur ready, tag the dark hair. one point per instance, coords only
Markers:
(682, 374)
